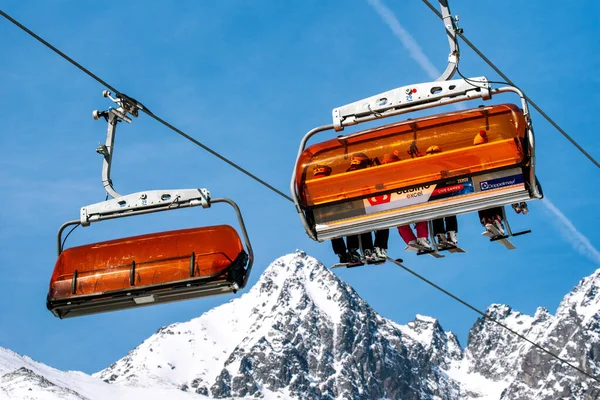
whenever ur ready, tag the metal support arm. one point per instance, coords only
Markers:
(410, 98)
(113, 116)
(144, 203)
(450, 25)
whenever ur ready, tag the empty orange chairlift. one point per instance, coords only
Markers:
(148, 269)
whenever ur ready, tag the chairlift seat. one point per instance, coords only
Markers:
(147, 269)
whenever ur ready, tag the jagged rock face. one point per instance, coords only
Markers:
(574, 335)
(301, 331)
(493, 351)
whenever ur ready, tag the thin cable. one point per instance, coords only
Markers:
(57, 51)
(487, 60)
(144, 109)
(486, 316)
(211, 151)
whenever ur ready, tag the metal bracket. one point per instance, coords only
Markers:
(143, 203)
(410, 98)
(113, 116)
(450, 24)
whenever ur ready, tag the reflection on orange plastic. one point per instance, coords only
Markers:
(453, 133)
(160, 258)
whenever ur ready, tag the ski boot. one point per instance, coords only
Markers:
(381, 253)
(354, 256)
(452, 237)
(524, 208)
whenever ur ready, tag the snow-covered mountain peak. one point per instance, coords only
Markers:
(423, 329)
(299, 328)
(584, 299)
(297, 280)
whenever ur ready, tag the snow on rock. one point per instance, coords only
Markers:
(23, 378)
(574, 335)
(301, 333)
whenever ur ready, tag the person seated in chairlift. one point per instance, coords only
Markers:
(350, 253)
(360, 161)
(445, 229)
(406, 233)
(492, 217)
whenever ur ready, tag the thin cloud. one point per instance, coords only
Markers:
(414, 50)
(571, 235)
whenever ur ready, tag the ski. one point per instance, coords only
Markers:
(420, 250)
(359, 263)
(347, 265)
(496, 236)
(449, 246)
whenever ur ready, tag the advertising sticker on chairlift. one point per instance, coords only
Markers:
(452, 188)
(502, 182)
(402, 198)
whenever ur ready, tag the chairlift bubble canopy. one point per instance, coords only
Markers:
(148, 269)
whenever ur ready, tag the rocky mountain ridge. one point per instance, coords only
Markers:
(301, 333)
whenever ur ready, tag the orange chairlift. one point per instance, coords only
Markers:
(450, 163)
(148, 269)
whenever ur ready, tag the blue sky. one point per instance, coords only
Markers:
(249, 79)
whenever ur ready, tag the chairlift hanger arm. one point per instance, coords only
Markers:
(144, 203)
(410, 98)
(113, 116)
(451, 30)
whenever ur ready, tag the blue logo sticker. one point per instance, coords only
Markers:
(501, 182)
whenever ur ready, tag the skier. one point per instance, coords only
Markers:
(337, 244)
(492, 217)
(420, 241)
(405, 231)
(520, 208)
(382, 236)
(481, 138)
(360, 161)
(445, 229)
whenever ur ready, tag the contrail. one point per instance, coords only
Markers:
(407, 40)
(414, 50)
(570, 234)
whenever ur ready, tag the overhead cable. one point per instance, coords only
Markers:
(145, 110)
(497, 70)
